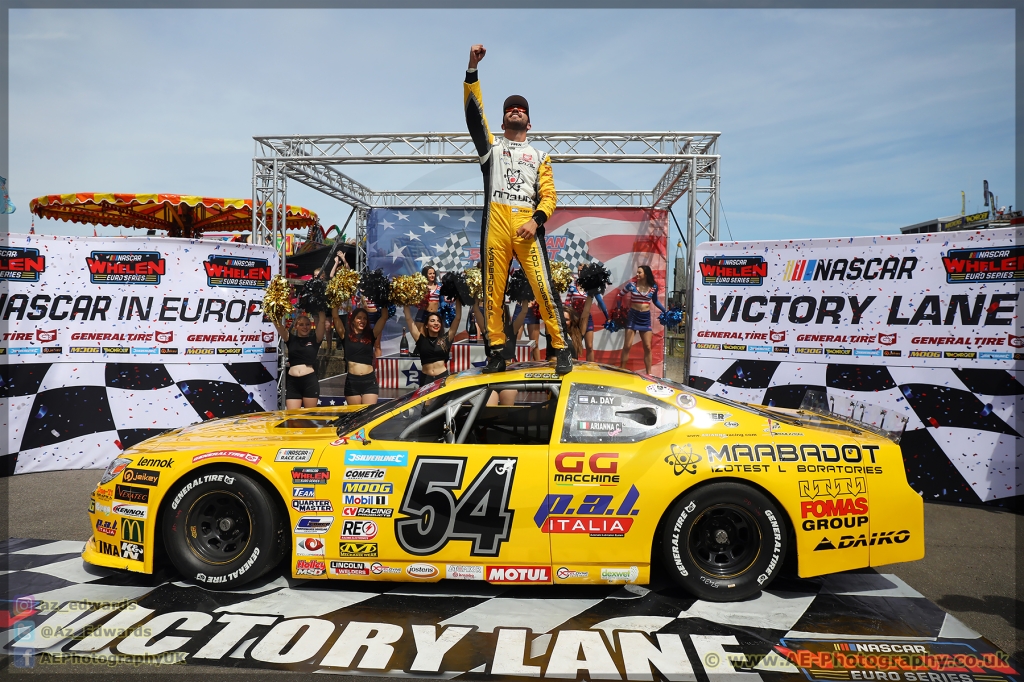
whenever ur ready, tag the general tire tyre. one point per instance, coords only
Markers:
(222, 529)
(724, 541)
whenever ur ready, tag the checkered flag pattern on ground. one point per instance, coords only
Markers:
(48, 584)
(452, 253)
(65, 416)
(962, 442)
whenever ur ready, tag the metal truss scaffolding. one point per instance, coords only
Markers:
(691, 160)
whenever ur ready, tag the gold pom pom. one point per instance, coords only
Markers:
(561, 276)
(475, 283)
(277, 300)
(341, 287)
(408, 289)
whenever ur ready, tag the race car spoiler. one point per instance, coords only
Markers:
(872, 418)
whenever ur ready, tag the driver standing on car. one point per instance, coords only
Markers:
(519, 192)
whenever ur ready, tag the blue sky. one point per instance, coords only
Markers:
(833, 122)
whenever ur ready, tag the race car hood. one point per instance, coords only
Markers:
(312, 424)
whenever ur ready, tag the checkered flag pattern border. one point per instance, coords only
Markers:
(47, 580)
(962, 442)
(64, 416)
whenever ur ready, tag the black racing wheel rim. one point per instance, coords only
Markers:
(218, 527)
(724, 541)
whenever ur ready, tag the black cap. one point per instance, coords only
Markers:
(516, 101)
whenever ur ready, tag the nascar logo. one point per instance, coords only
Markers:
(799, 270)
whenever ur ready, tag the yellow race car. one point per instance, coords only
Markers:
(520, 477)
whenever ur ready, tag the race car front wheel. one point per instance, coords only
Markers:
(724, 541)
(222, 529)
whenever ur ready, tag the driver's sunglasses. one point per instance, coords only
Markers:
(519, 109)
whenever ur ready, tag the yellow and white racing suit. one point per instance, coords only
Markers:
(518, 186)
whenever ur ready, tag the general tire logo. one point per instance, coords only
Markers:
(120, 267)
(22, 264)
(436, 516)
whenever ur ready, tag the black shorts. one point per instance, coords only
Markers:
(302, 387)
(427, 379)
(361, 385)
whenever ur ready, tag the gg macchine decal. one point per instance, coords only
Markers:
(480, 515)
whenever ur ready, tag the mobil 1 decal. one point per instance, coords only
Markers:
(434, 513)
(943, 300)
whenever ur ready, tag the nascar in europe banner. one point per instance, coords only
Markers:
(926, 300)
(135, 299)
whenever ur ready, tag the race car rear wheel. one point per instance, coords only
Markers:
(724, 541)
(222, 529)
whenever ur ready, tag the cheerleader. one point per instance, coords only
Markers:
(431, 303)
(641, 293)
(576, 299)
(433, 343)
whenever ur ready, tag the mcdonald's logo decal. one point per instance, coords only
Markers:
(133, 530)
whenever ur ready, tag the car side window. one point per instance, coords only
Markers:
(525, 415)
(518, 413)
(603, 414)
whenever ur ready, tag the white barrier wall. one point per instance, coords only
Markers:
(108, 341)
(926, 324)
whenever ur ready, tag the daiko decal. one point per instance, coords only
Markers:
(21, 264)
(237, 273)
(121, 267)
(984, 265)
(733, 270)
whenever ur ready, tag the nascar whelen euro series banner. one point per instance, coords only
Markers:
(107, 341)
(928, 325)
(403, 241)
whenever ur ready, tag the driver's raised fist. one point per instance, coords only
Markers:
(476, 53)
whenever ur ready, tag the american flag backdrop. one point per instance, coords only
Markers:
(403, 241)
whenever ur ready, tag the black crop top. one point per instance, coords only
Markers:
(431, 349)
(302, 350)
(360, 348)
